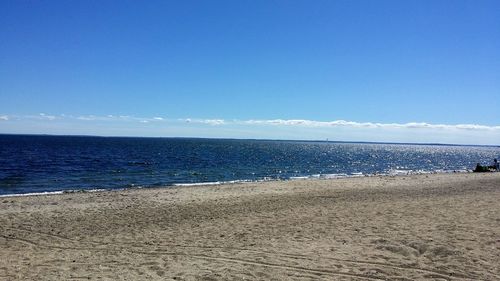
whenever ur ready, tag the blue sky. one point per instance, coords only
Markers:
(248, 69)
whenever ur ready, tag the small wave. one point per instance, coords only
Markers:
(198, 183)
(452, 171)
(84, 190)
(139, 163)
(211, 183)
(33, 194)
(393, 172)
(299, 178)
(328, 176)
(334, 176)
(398, 172)
(57, 192)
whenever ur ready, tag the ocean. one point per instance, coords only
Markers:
(39, 164)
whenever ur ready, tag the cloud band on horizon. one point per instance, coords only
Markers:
(260, 122)
(344, 123)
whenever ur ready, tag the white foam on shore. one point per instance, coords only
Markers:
(198, 183)
(299, 178)
(211, 183)
(58, 192)
(397, 172)
(34, 194)
(393, 172)
(90, 190)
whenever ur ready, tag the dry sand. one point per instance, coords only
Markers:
(425, 227)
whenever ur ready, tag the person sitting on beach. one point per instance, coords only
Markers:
(492, 168)
(480, 169)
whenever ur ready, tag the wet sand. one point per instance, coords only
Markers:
(421, 227)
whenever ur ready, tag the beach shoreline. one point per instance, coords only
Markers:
(406, 227)
(397, 173)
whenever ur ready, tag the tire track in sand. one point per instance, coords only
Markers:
(441, 274)
(123, 246)
(265, 264)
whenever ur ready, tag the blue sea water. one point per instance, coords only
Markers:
(32, 164)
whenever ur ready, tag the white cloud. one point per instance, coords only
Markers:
(212, 122)
(108, 118)
(88, 118)
(116, 118)
(46, 117)
(269, 122)
(343, 123)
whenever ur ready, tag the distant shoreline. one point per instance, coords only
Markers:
(252, 139)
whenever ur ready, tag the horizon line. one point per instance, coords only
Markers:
(255, 139)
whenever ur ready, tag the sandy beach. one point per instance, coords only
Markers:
(419, 227)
